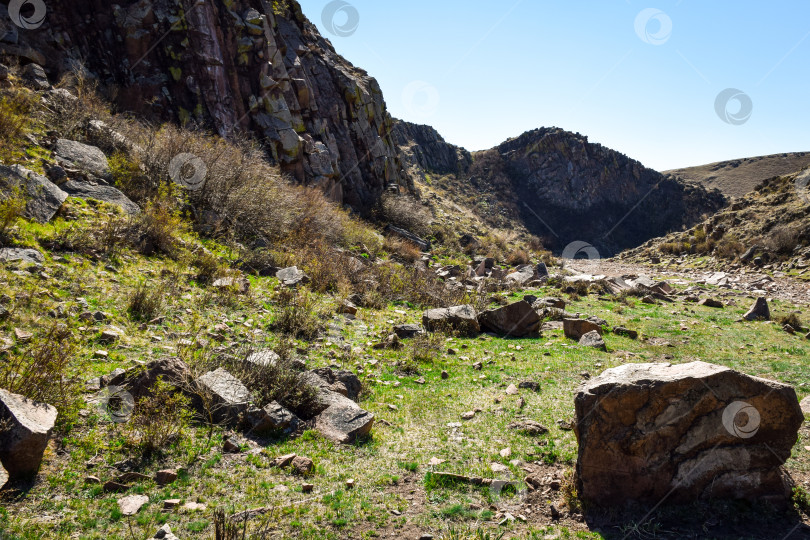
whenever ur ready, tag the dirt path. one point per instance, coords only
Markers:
(751, 282)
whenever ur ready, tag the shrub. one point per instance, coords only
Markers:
(516, 257)
(402, 250)
(15, 111)
(729, 248)
(405, 212)
(12, 206)
(45, 371)
(159, 418)
(299, 314)
(783, 240)
(792, 319)
(146, 301)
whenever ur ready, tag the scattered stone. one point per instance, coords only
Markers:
(711, 302)
(131, 476)
(505, 453)
(132, 504)
(462, 319)
(231, 447)
(512, 390)
(529, 427)
(648, 300)
(350, 483)
(29, 256)
(469, 415)
(805, 405)
(498, 467)
(170, 504)
(408, 331)
(110, 335)
(622, 331)
(422, 244)
(347, 308)
(307, 488)
(194, 507)
(292, 277)
(576, 328)
(337, 417)
(165, 532)
(108, 194)
(114, 487)
(230, 397)
(789, 329)
(515, 320)
(22, 336)
(530, 385)
(283, 461)
(478, 366)
(92, 480)
(27, 427)
(435, 462)
(139, 381)
(726, 436)
(594, 340)
(238, 284)
(165, 477)
(273, 418)
(302, 465)
(445, 375)
(759, 311)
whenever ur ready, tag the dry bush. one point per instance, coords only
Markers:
(15, 110)
(516, 257)
(71, 117)
(229, 528)
(402, 250)
(159, 418)
(783, 240)
(405, 212)
(156, 228)
(299, 314)
(792, 319)
(12, 206)
(329, 269)
(729, 247)
(45, 371)
(146, 301)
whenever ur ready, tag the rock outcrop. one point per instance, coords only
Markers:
(461, 319)
(423, 146)
(650, 432)
(515, 320)
(245, 65)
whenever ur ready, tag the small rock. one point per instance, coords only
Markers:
(350, 483)
(169, 504)
(594, 340)
(512, 390)
(132, 504)
(445, 375)
(759, 311)
(529, 427)
(92, 480)
(805, 405)
(307, 488)
(283, 461)
(711, 302)
(114, 487)
(622, 331)
(230, 447)
(194, 507)
(469, 415)
(166, 476)
(302, 465)
(165, 533)
(22, 336)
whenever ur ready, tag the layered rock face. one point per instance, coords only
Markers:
(568, 189)
(243, 65)
(654, 432)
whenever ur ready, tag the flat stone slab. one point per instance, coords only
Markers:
(29, 427)
(99, 192)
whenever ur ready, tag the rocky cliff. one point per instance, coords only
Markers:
(424, 147)
(566, 189)
(233, 66)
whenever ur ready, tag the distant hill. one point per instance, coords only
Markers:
(738, 177)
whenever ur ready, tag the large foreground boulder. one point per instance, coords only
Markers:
(515, 320)
(461, 319)
(25, 427)
(759, 311)
(654, 432)
(76, 155)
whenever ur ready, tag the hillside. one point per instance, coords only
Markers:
(767, 228)
(738, 177)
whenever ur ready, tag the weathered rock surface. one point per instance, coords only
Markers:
(139, 380)
(576, 328)
(76, 155)
(805, 405)
(229, 396)
(244, 66)
(44, 197)
(292, 276)
(418, 241)
(462, 319)
(132, 504)
(27, 428)
(685, 432)
(515, 320)
(425, 147)
(273, 418)
(408, 331)
(99, 192)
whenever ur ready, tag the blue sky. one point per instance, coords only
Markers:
(642, 78)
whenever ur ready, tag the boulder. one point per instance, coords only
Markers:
(76, 155)
(108, 194)
(35, 75)
(132, 504)
(408, 331)
(238, 284)
(273, 418)
(622, 331)
(139, 380)
(593, 339)
(461, 319)
(292, 277)
(44, 198)
(349, 381)
(337, 417)
(263, 358)
(576, 328)
(228, 395)
(27, 428)
(515, 320)
(421, 243)
(165, 532)
(522, 275)
(25, 255)
(649, 432)
(759, 311)
(711, 302)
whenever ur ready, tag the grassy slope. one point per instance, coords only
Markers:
(390, 469)
(738, 177)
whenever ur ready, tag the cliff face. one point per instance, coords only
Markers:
(422, 146)
(232, 66)
(572, 190)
